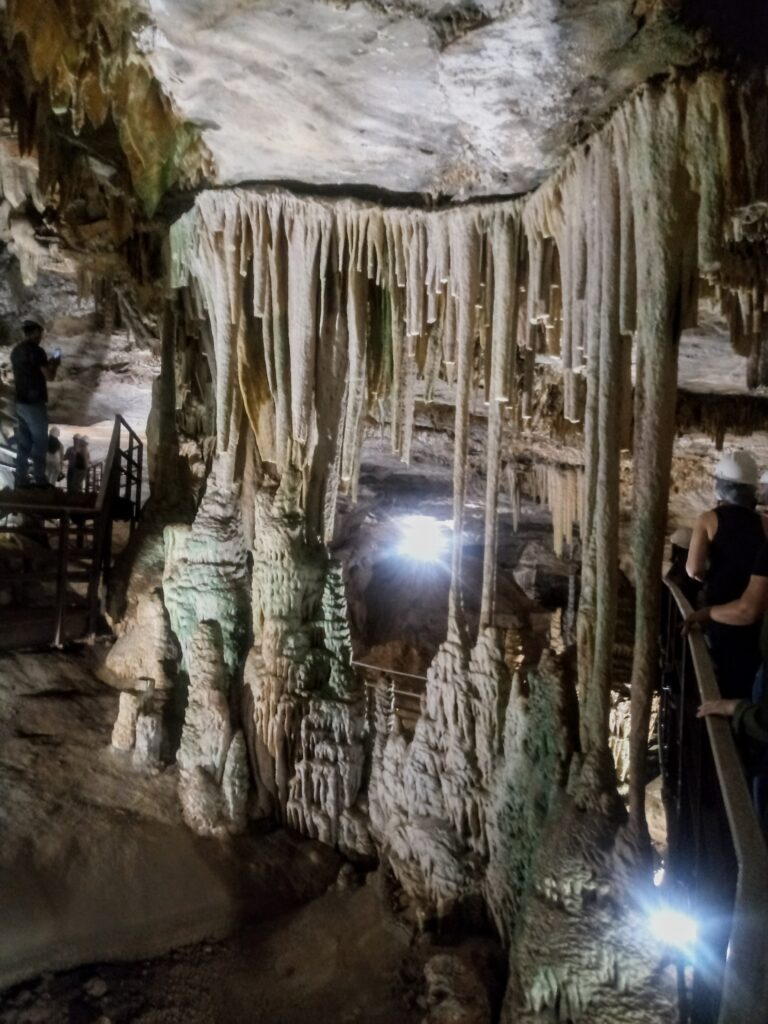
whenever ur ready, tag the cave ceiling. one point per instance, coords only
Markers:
(416, 96)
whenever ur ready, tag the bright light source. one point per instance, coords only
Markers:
(658, 877)
(673, 928)
(422, 539)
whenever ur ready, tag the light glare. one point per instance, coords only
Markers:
(673, 928)
(422, 539)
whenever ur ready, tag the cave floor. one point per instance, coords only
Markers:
(95, 861)
(97, 868)
(341, 958)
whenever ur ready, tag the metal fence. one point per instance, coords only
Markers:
(717, 852)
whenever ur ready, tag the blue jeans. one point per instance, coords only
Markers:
(32, 434)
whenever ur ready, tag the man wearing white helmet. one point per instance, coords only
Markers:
(31, 370)
(725, 543)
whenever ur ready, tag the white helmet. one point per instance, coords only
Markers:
(738, 468)
(54, 432)
(681, 538)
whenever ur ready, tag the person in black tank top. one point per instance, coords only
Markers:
(725, 543)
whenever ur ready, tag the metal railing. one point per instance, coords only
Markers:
(93, 477)
(402, 699)
(717, 851)
(63, 551)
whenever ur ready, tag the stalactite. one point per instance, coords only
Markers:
(303, 278)
(717, 414)
(464, 245)
(504, 248)
(278, 303)
(356, 325)
(598, 766)
(561, 489)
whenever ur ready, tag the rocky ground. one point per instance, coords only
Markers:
(97, 871)
(341, 958)
(95, 860)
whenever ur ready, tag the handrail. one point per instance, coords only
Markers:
(745, 985)
(120, 463)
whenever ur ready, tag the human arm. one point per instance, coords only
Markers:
(744, 611)
(720, 708)
(698, 552)
(50, 366)
(747, 719)
(748, 608)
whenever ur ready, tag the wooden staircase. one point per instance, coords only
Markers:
(56, 552)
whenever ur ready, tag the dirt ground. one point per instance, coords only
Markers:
(97, 869)
(341, 958)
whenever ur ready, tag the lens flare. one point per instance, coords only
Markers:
(673, 928)
(422, 539)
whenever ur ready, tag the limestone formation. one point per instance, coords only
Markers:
(124, 730)
(303, 707)
(213, 770)
(148, 749)
(145, 648)
(455, 991)
(319, 311)
(205, 576)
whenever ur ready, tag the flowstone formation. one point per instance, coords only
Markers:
(459, 809)
(304, 707)
(213, 763)
(205, 578)
(84, 63)
(206, 593)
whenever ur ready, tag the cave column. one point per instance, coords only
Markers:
(664, 216)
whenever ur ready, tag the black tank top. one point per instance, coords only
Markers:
(732, 553)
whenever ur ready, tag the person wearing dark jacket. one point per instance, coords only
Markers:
(32, 369)
(748, 714)
(725, 543)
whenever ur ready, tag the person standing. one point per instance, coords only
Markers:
(54, 457)
(725, 543)
(32, 369)
(76, 466)
(749, 712)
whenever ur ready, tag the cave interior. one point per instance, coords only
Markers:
(342, 689)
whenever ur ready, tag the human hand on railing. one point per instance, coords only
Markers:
(694, 619)
(722, 708)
